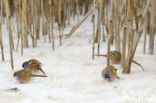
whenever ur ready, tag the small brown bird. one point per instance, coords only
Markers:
(33, 64)
(24, 75)
(115, 58)
(109, 73)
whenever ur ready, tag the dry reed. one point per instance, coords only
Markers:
(35, 19)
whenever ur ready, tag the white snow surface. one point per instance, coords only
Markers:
(73, 77)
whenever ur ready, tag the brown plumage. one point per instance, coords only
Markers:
(25, 75)
(109, 73)
(115, 58)
(33, 64)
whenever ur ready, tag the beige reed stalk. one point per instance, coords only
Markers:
(25, 26)
(99, 25)
(152, 26)
(51, 23)
(93, 48)
(109, 35)
(117, 25)
(18, 27)
(131, 52)
(8, 15)
(1, 41)
(59, 21)
(43, 20)
(20, 17)
(81, 21)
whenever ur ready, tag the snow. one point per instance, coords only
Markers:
(73, 77)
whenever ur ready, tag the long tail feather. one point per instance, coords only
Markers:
(135, 62)
(39, 75)
(102, 55)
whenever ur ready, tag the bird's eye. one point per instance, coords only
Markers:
(14, 74)
(113, 54)
(31, 63)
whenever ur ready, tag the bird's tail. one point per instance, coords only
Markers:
(39, 75)
(102, 55)
(135, 62)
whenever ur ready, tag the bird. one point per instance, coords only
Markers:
(115, 58)
(33, 64)
(110, 73)
(25, 75)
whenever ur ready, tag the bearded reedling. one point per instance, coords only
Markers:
(25, 75)
(33, 64)
(110, 73)
(115, 58)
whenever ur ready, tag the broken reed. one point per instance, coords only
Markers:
(35, 19)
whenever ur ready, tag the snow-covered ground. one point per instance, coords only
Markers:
(73, 77)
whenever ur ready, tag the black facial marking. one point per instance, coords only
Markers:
(25, 65)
